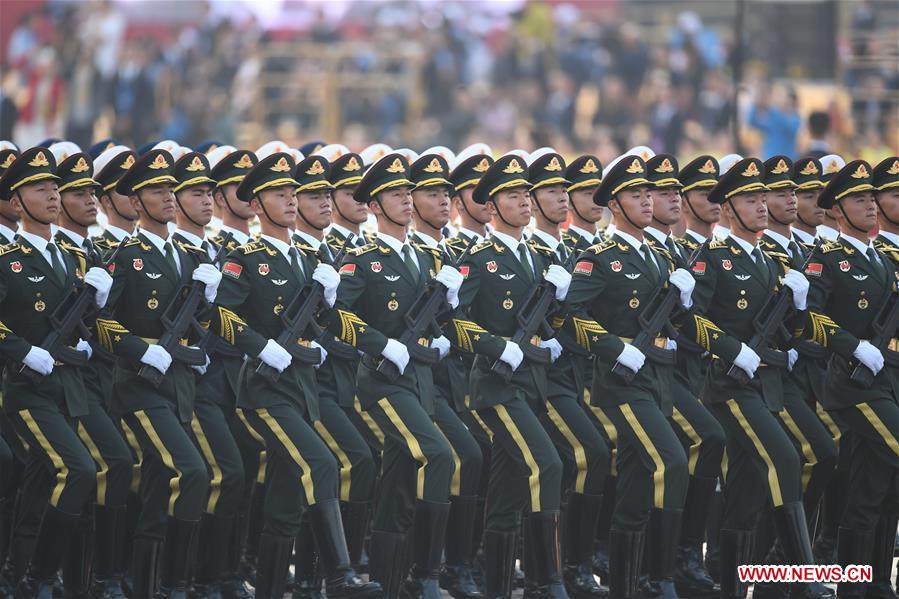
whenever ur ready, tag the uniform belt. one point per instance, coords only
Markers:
(660, 342)
(153, 341)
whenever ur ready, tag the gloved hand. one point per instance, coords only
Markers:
(792, 356)
(560, 278)
(397, 353)
(631, 358)
(442, 344)
(39, 360)
(157, 357)
(85, 346)
(452, 279)
(798, 284)
(555, 348)
(210, 276)
(685, 282)
(869, 355)
(671, 344)
(324, 353)
(329, 280)
(100, 280)
(201, 368)
(747, 360)
(275, 356)
(512, 355)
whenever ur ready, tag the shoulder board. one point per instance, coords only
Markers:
(252, 247)
(370, 236)
(456, 241)
(686, 242)
(601, 247)
(481, 246)
(188, 247)
(302, 246)
(718, 244)
(426, 248)
(830, 246)
(100, 241)
(768, 245)
(132, 241)
(368, 247)
(332, 239)
(663, 251)
(9, 248)
(70, 247)
(538, 246)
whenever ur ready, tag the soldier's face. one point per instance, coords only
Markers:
(195, 203)
(228, 194)
(702, 208)
(465, 204)
(41, 199)
(81, 205)
(553, 202)
(583, 204)
(752, 209)
(7, 212)
(807, 207)
(277, 205)
(888, 202)
(433, 205)
(157, 200)
(353, 211)
(857, 211)
(782, 205)
(514, 205)
(632, 204)
(114, 202)
(666, 205)
(395, 203)
(315, 207)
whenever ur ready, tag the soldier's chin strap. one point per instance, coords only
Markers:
(267, 216)
(147, 212)
(852, 224)
(184, 212)
(116, 210)
(471, 214)
(28, 212)
(386, 215)
(802, 220)
(306, 220)
(624, 214)
(740, 219)
(540, 208)
(423, 219)
(69, 215)
(228, 203)
(696, 214)
(883, 212)
(578, 212)
(499, 213)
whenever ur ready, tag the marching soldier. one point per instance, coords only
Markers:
(584, 175)
(700, 434)
(584, 453)
(735, 280)
(806, 174)
(345, 175)
(470, 166)
(829, 229)
(611, 281)
(120, 214)
(44, 397)
(431, 203)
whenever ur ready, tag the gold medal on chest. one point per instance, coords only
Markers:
(277, 309)
(508, 303)
(40, 306)
(634, 303)
(863, 304)
(152, 303)
(393, 305)
(742, 304)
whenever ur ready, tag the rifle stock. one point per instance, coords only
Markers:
(885, 329)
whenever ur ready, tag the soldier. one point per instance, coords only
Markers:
(831, 165)
(470, 166)
(806, 174)
(345, 175)
(35, 276)
(229, 166)
(431, 203)
(261, 278)
(763, 466)
(700, 434)
(584, 176)
(391, 273)
(120, 215)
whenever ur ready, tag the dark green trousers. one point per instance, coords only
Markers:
(468, 461)
(700, 434)
(212, 436)
(353, 454)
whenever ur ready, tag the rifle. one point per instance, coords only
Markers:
(177, 325)
(67, 318)
(885, 324)
(768, 326)
(297, 317)
(652, 320)
(421, 321)
(531, 322)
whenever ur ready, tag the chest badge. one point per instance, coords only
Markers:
(507, 277)
(632, 275)
(376, 266)
(508, 304)
(137, 264)
(863, 304)
(40, 306)
(727, 264)
(36, 279)
(491, 266)
(393, 305)
(844, 265)
(16, 266)
(634, 303)
(392, 278)
(154, 275)
(264, 269)
(743, 277)
(615, 266)
(742, 304)
(278, 309)
(152, 303)
(859, 277)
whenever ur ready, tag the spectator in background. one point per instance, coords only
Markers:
(41, 113)
(23, 41)
(818, 130)
(778, 120)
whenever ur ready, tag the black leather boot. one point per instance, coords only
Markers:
(580, 526)
(854, 547)
(499, 563)
(77, 563)
(53, 537)
(735, 550)
(340, 578)
(355, 522)
(529, 541)
(713, 536)
(107, 579)
(792, 535)
(662, 538)
(307, 583)
(771, 590)
(248, 562)
(546, 529)
(126, 540)
(145, 568)
(600, 559)
(690, 576)
(174, 580)
(882, 559)
(455, 576)
(7, 586)
(429, 532)
(233, 584)
(386, 561)
(625, 560)
(271, 572)
(212, 555)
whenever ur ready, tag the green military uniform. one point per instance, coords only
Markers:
(35, 277)
(611, 281)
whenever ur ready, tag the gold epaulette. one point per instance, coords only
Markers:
(690, 244)
(453, 241)
(189, 247)
(252, 247)
(427, 248)
(718, 244)
(9, 248)
(70, 247)
(768, 244)
(133, 241)
(539, 247)
(831, 246)
(481, 246)
(101, 242)
(368, 247)
(602, 246)
(300, 245)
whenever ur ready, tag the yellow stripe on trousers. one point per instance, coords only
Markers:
(658, 475)
(131, 438)
(835, 431)
(534, 478)
(811, 460)
(296, 456)
(881, 428)
(102, 466)
(215, 485)
(369, 421)
(62, 471)
(175, 481)
(695, 439)
(611, 433)
(580, 455)
(773, 480)
(411, 443)
(456, 483)
(263, 456)
(346, 466)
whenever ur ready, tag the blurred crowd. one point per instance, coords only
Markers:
(417, 74)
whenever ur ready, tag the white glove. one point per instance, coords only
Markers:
(512, 355)
(329, 280)
(157, 357)
(201, 368)
(39, 360)
(324, 353)
(275, 356)
(869, 355)
(685, 282)
(442, 344)
(84, 346)
(671, 344)
(798, 284)
(210, 276)
(452, 279)
(555, 348)
(792, 356)
(397, 353)
(631, 358)
(560, 278)
(747, 360)
(100, 280)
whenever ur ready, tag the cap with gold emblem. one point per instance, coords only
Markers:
(469, 171)
(627, 171)
(192, 169)
(346, 170)
(744, 176)
(76, 171)
(584, 172)
(430, 170)
(7, 157)
(233, 167)
(508, 172)
(312, 174)
(855, 177)
(830, 166)
(806, 173)
(33, 165)
(702, 171)
(153, 168)
(390, 171)
(777, 173)
(662, 171)
(275, 170)
(112, 164)
(886, 174)
(547, 169)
